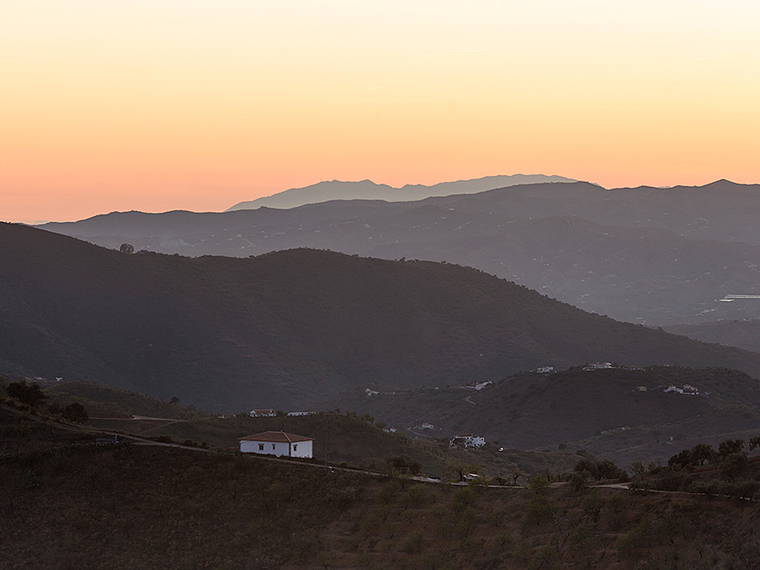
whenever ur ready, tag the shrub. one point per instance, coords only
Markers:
(538, 483)
(539, 511)
(29, 394)
(733, 464)
(604, 469)
(578, 482)
(76, 413)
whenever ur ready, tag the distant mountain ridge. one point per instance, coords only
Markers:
(329, 190)
(292, 328)
(649, 255)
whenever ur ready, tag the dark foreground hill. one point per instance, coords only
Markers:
(156, 507)
(291, 328)
(650, 255)
(624, 415)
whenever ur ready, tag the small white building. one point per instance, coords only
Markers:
(292, 414)
(598, 366)
(267, 413)
(278, 443)
(467, 441)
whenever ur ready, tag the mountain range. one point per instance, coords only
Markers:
(292, 328)
(329, 190)
(655, 256)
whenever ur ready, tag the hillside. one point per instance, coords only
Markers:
(739, 333)
(158, 507)
(292, 328)
(624, 415)
(647, 255)
(367, 190)
(106, 401)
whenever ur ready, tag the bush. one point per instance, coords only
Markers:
(539, 511)
(464, 497)
(604, 469)
(578, 482)
(75, 413)
(29, 394)
(733, 465)
(538, 483)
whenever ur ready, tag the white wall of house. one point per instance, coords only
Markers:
(296, 449)
(301, 449)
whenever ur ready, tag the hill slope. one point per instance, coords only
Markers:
(742, 334)
(644, 255)
(292, 328)
(154, 507)
(624, 415)
(368, 190)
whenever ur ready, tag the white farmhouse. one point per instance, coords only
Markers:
(277, 443)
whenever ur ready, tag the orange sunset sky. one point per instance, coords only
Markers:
(198, 104)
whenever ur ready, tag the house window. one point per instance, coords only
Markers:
(261, 447)
(295, 447)
(273, 446)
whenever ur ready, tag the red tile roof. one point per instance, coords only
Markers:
(275, 437)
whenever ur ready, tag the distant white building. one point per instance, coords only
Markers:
(467, 441)
(478, 386)
(301, 413)
(278, 443)
(686, 389)
(545, 370)
(598, 366)
(268, 413)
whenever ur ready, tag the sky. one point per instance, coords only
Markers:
(157, 105)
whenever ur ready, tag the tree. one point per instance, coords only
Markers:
(76, 413)
(604, 469)
(730, 447)
(702, 454)
(732, 465)
(30, 394)
(680, 460)
(127, 248)
(515, 476)
(754, 442)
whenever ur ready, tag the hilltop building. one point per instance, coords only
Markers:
(278, 443)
